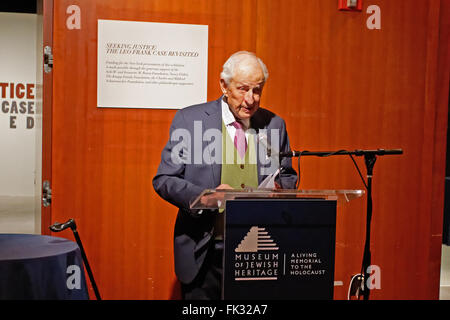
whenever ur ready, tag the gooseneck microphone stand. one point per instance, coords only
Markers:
(370, 156)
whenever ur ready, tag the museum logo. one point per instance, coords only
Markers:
(256, 257)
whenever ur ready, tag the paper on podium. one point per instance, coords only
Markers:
(269, 181)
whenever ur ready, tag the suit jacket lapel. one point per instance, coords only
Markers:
(260, 120)
(213, 120)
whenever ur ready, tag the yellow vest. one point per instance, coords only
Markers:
(236, 172)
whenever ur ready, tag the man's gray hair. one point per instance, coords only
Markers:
(228, 67)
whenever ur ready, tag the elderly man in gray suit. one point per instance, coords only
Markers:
(223, 144)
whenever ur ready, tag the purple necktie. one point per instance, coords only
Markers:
(239, 139)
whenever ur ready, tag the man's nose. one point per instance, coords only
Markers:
(249, 99)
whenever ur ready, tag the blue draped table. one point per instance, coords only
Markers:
(40, 267)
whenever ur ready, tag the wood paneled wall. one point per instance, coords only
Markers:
(337, 84)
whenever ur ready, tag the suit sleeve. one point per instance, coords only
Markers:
(169, 180)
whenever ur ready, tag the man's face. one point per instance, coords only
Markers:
(243, 93)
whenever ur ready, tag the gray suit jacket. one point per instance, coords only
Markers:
(181, 183)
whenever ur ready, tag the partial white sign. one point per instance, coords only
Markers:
(17, 106)
(151, 65)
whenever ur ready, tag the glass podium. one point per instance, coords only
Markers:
(216, 198)
(278, 244)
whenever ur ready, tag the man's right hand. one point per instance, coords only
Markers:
(212, 200)
(224, 186)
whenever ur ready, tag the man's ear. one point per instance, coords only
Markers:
(223, 87)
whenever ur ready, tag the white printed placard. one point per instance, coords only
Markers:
(151, 65)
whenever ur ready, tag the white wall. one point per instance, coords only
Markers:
(18, 66)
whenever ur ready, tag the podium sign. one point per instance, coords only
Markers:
(279, 249)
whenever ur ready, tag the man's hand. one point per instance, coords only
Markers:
(216, 199)
(224, 186)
